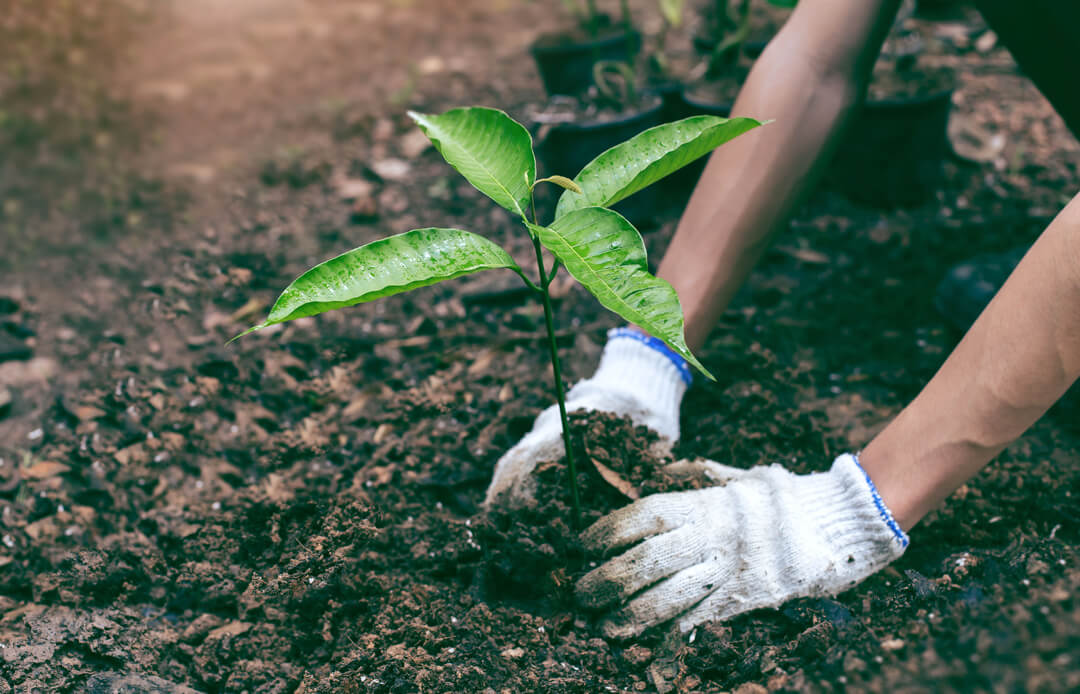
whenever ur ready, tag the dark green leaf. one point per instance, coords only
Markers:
(646, 158)
(386, 267)
(605, 253)
(489, 148)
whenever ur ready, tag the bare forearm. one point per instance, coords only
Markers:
(807, 81)
(1019, 357)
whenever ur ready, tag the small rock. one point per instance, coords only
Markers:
(431, 65)
(750, 688)
(392, 169)
(414, 143)
(354, 188)
(986, 42)
(892, 644)
(513, 653)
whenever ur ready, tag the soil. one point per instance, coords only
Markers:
(299, 511)
(592, 109)
(721, 90)
(890, 84)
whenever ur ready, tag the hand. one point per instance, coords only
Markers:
(761, 538)
(635, 379)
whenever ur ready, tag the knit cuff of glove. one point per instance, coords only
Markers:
(851, 513)
(644, 368)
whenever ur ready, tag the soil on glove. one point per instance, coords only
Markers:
(300, 511)
(533, 554)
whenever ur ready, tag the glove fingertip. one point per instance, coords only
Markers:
(597, 592)
(621, 627)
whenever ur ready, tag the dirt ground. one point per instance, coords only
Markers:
(298, 511)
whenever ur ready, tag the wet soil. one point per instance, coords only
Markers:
(299, 512)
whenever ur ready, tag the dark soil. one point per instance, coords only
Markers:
(299, 512)
(891, 83)
(721, 90)
(533, 554)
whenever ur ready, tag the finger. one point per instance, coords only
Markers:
(512, 483)
(641, 566)
(646, 517)
(712, 472)
(668, 599)
(721, 606)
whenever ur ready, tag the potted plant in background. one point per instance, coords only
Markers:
(727, 52)
(893, 151)
(572, 131)
(624, 98)
(565, 59)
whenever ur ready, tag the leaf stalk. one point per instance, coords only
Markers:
(560, 395)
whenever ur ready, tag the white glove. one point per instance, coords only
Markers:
(762, 538)
(638, 377)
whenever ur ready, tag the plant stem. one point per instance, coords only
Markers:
(559, 394)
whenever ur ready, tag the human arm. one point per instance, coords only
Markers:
(808, 80)
(1017, 359)
(763, 536)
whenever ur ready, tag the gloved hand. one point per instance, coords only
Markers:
(761, 538)
(638, 377)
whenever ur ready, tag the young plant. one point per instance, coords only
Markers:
(596, 245)
(671, 11)
(731, 31)
(590, 18)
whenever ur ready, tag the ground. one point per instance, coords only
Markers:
(296, 511)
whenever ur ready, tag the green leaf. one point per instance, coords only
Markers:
(489, 148)
(784, 3)
(646, 158)
(672, 10)
(605, 253)
(386, 267)
(562, 182)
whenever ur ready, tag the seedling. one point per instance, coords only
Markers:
(596, 245)
(732, 30)
(590, 18)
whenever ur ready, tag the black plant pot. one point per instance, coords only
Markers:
(891, 155)
(568, 147)
(566, 67)
(893, 152)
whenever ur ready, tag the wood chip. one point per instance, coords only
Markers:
(230, 629)
(805, 255)
(382, 432)
(618, 481)
(44, 470)
(252, 307)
